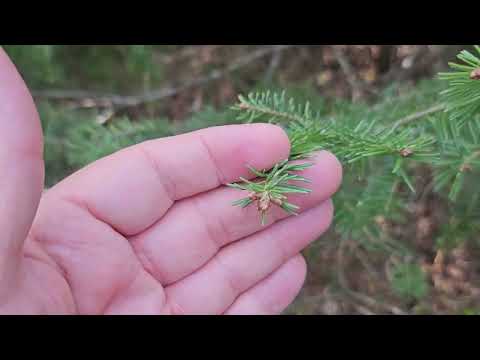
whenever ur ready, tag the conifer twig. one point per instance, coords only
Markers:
(309, 133)
(462, 97)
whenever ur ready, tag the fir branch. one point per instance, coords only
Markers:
(271, 187)
(460, 154)
(308, 133)
(462, 97)
(271, 107)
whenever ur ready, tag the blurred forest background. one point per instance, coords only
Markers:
(94, 100)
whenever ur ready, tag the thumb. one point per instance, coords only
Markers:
(21, 167)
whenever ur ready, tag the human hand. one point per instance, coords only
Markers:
(150, 229)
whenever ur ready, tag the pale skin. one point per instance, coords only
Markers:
(150, 229)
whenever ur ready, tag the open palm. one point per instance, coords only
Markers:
(150, 229)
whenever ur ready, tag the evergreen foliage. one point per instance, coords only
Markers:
(349, 141)
(462, 98)
(447, 142)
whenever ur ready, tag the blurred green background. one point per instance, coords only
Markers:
(94, 100)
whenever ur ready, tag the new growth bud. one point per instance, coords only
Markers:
(475, 74)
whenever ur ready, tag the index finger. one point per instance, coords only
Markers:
(132, 189)
(21, 165)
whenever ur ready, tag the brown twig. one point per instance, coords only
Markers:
(363, 310)
(184, 52)
(274, 64)
(358, 87)
(421, 59)
(418, 115)
(366, 263)
(122, 102)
